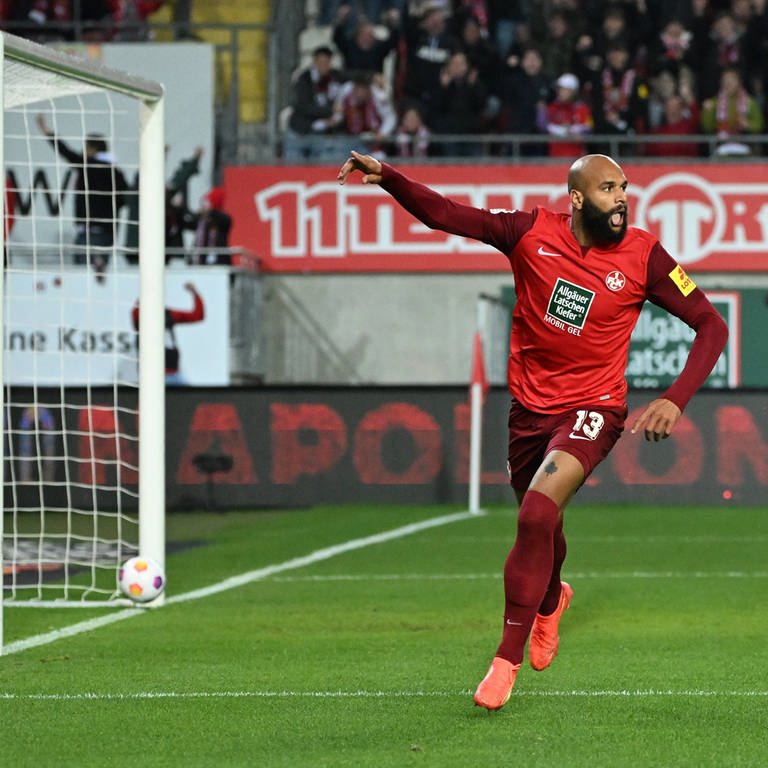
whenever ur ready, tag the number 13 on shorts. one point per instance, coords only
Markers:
(588, 425)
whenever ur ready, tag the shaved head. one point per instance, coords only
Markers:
(591, 167)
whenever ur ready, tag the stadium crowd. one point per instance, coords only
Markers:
(399, 75)
(95, 20)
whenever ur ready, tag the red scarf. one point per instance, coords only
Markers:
(360, 117)
(727, 123)
(617, 96)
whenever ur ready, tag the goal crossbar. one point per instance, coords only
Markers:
(79, 70)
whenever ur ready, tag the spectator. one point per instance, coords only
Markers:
(620, 95)
(524, 91)
(756, 53)
(461, 10)
(663, 85)
(362, 51)
(37, 445)
(627, 20)
(730, 114)
(428, 47)
(178, 217)
(99, 192)
(505, 19)
(364, 109)
(459, 106)
(567, 116)
(557, 44)
(591, 49)
(721, 49)
(481, 53)
(174, 317)
(311, 124)
(212, 230)
(671, 49)
(412, 138)
(681, 117)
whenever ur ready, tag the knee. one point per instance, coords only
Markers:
(538, 515)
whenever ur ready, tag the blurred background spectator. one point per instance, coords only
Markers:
(524, 91)
(567, 115)
(620, 95)
(99, 193)
(363, 109)
(458, 106)
(428, 45)
(312, 119)
(212, 230)
(361, 50)
(732, 113)
(681, 118)
(412, 138)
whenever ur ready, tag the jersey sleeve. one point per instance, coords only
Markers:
(671, 289)
(501, 230)
(194, 315)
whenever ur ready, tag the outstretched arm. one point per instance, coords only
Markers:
(501, 230)
(59, 146)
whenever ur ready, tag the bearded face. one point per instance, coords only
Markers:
(604, 227)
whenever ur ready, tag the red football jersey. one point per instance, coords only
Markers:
(576, 307)
(574, 315)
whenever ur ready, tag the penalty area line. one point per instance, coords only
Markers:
(242, 579)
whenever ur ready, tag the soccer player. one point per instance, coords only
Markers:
(581, 279)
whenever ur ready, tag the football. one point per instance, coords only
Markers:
(141, 579)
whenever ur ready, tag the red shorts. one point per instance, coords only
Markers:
(586, 433)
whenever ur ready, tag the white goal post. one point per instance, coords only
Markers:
(79, 383)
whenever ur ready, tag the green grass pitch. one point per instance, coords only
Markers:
(366, 653)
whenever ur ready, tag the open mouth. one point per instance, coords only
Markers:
(617, 218)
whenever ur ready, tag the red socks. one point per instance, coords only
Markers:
(552, 595)
(529, 570)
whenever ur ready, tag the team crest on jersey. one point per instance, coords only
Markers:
(615, 280)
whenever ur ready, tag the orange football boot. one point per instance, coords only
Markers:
(544, 642)
(494, 689)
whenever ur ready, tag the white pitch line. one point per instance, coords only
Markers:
(237, 581)
(480, 576)
(364, 694)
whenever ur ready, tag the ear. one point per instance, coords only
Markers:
(577, 199)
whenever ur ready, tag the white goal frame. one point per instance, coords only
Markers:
(53, 65)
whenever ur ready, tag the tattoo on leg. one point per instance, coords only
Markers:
(551, 468)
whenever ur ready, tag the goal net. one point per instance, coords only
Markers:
(83, 245)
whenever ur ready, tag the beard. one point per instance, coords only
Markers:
(597, 224)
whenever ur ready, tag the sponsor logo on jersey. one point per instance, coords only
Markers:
(569, 304)
(681, 280)
(615, 280)
(543, 252)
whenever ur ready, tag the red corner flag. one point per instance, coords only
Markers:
(478, 365)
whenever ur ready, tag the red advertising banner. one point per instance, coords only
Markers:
(299, 446)
(299, 219)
